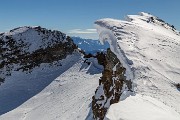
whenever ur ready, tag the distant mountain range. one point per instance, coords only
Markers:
(89, 45)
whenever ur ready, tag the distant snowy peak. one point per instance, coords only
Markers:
(34, 37)
(23, 29)
(27, 47)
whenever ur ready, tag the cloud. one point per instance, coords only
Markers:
(81, 31)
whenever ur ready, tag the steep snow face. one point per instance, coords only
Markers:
(51, 92)
(149, 50)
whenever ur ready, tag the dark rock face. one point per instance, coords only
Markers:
(178, 86)
(15, 53)
(110, 84)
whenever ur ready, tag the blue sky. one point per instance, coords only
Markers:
(76, 17)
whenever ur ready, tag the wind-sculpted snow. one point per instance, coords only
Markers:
(149, 49)
(107, 35)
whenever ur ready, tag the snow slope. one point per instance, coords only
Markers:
(149, 50)
(51, 92)
(141, 108)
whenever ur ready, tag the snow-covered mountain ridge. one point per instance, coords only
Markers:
(35, 37)
(149, 50)
(140, 79)
(25, 48)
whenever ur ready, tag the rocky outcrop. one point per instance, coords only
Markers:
(178, 86)
(111, 84)
(27, 47)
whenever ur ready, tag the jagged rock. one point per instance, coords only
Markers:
(110, 84)
(178, 86)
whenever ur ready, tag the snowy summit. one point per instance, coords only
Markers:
(149, 49)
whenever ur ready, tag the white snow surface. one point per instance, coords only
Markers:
(51, 92)
(150, 53)
(141, 108)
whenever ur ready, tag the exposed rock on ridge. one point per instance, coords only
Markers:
(111, 84)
